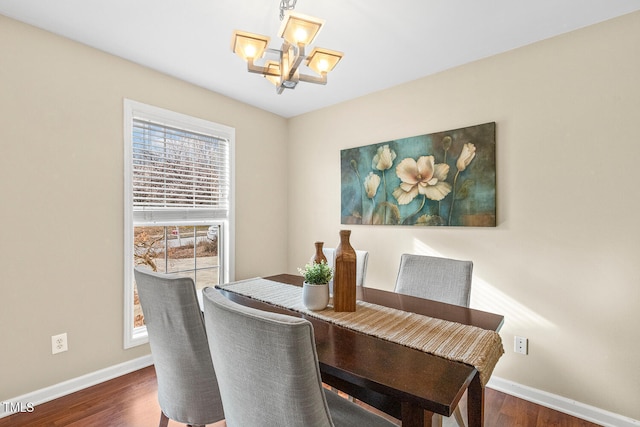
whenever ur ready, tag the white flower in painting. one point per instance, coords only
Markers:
(371, 183)
(421, 177)
(384, 158)
(468, 153)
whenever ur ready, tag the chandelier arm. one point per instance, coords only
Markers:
(299, 57)
(314, 79)
(252, 68)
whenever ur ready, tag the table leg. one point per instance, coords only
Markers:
(415, 416)
(475, 402)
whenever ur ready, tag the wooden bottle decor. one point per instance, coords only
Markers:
(319, 256)
(344, 280)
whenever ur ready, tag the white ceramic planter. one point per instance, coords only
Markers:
(315, 297)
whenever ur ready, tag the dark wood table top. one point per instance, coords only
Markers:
(386, 375)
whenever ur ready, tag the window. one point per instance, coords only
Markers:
(178, 202)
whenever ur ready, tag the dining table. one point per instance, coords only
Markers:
(404, 382)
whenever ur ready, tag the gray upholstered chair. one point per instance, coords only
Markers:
(187, 385)
(362, 259)
(268, 370)
(440, 279)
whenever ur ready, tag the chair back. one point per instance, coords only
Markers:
(440, 279)
(330, 255)
(187, 385)
(267, 365)
(362, 259)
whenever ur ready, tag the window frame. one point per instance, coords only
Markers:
(135, 336)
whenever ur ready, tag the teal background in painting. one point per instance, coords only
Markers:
(478, 208)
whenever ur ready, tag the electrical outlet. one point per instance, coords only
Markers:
(521, 345)
(59, 343)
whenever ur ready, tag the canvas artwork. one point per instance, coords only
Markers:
(440, 179)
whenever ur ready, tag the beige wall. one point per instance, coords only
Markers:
(563, 263)
(61, 192)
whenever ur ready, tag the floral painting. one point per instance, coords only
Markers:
(440, 179)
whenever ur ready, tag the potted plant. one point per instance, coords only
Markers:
(315, 289)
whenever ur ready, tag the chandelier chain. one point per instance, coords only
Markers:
(286, 5)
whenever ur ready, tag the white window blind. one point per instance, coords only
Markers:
(178, 174)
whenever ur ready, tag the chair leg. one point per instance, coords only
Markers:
(164, 420)
(437, 420)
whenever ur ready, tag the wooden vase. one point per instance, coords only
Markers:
(319, 255)
(344, 280)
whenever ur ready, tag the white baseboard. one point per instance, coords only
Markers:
(549, 400)
(30, 400)
(562, 404)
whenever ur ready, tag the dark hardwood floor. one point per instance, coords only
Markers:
(130, 401)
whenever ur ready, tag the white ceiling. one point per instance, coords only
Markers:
(385, 42)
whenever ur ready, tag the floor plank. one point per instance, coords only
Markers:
(131, 401)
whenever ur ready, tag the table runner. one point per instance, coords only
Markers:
(471, 345)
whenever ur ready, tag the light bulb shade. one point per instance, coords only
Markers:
(323, 60)
(297, 28)
(273, 67)
(248, 45)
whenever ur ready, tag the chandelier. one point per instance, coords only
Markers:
(298, 31)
